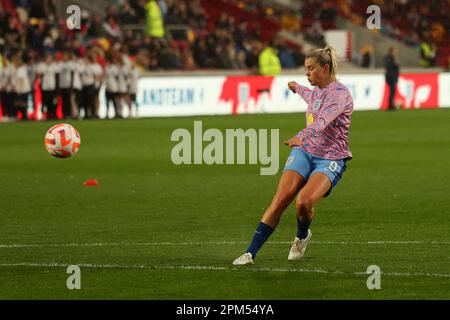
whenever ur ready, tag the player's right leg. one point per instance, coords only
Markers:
(290, 184)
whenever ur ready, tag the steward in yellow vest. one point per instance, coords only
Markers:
(269, 63)
(155, 22)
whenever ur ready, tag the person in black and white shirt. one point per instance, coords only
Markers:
(98, 80)
(132, 79)
(88, 79)
(8, 94)
(48, 72)
(112, 86)
(31, 70)
(78, 66)
(22, 87)
(123, 85)
(66, 70)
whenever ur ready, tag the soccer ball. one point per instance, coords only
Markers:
(62, 140)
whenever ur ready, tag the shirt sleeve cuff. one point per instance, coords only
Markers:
(300, 136)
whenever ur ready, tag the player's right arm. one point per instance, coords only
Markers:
(303, 91)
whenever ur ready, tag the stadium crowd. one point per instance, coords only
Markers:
(424, 25)
(69, 66)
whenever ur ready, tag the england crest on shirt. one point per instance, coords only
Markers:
(317, 104)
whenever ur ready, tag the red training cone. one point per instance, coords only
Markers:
(90, 183)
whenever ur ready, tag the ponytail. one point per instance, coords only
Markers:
(325, 56)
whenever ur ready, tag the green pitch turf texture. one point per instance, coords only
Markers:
(154, 230)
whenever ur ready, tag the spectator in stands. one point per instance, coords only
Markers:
(177, 13)
(315, 34)
(269, 63)
(327, 16)
(112, 11)
(187, 59)
(21, 9)
(427, 52)
(392, 72)
(112, 29)
(413, 18)
(256, 32)
(224, 59)
(286, 59)
(155, 22)
(197, 15)
(139, 8)
(128, 15)
(254, 48)
(366, 56)
(290, 22)
(211, 44)
(240, 59)
(153, 62)
(240, 33)
(224, 21)
(79, 48)
(95, 27)
(168, 59)
(298, 55)
(164, 8)
(42, 9)
(201, 56)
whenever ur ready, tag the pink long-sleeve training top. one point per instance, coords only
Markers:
(328, 119)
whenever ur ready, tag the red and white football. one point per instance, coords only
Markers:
(62, 140)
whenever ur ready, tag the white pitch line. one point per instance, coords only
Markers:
(198, 243)
(216, 268)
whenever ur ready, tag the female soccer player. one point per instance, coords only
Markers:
(318, 158)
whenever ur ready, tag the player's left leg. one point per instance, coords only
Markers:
(322, 180)
(290, 183)
(317, 187)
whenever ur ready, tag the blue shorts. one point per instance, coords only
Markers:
(307, 164)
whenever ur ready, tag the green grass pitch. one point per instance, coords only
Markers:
(154, 230)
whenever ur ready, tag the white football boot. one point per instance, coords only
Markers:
(299, 247)
(246, 258)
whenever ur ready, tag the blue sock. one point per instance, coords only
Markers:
(262, 233)
(302, 228)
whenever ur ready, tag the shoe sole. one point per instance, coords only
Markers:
(242, 264)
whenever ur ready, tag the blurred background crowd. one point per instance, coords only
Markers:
(39, 52)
